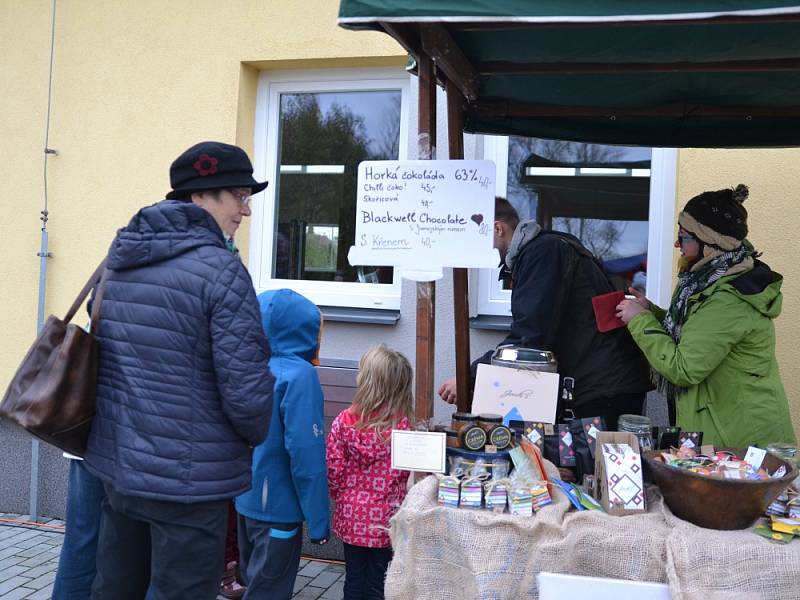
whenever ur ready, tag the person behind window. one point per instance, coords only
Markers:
(639, 282)
(364, 487)
(554, 279)
(184, 388)
(714, 347)
(289, 476)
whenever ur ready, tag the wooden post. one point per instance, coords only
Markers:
(455, 138)
(426, 291)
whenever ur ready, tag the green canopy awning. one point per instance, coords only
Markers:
(675, 74)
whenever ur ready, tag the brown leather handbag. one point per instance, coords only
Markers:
(52, 394)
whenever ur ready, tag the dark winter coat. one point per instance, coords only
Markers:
(554, 279)
(184, 389)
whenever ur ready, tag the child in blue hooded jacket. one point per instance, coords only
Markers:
(289, 475)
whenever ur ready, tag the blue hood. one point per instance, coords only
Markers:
(161, 231)
(291, 322)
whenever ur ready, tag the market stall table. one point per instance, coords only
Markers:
(457, 553)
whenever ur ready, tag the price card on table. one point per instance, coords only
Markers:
(423, 215)
(418, 451)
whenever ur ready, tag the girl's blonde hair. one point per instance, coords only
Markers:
(383, 395)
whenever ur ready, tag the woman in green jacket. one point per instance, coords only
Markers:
(713, 350)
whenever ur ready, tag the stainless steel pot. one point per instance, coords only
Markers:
(529, 359)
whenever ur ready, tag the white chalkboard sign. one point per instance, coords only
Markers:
(425, 214)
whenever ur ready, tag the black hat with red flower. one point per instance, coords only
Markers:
(212, 166)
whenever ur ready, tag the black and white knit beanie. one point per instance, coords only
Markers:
(717, 219)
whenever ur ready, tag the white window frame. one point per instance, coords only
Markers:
(271, 85)
(494, 300)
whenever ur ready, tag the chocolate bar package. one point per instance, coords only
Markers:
(584, 443)
(534, 431)
(566, 452)
(690, 439)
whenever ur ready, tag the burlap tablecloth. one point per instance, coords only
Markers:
(453, 553)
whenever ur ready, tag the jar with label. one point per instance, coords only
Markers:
(459, 420)
(489, 421)
(500, 437)
(472, 438)
(452, 440)
(641, 427)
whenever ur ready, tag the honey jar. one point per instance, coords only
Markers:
(489, 421)
(459, 420)
(500, 437)
(452, 438)
(472, 437)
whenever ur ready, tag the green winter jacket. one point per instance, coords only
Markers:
(725, 359)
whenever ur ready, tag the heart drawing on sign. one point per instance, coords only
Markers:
(477, 218)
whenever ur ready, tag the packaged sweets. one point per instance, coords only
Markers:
(449, 491)
(472, 485)
(496, 489)
(540, 496)
(520, 501)
(471, 493)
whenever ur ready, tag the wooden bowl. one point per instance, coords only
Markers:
(718, 503)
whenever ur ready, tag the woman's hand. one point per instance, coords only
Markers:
(640, 298)
(627, 309)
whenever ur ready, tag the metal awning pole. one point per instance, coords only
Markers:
(43, 254)
(426, 291)
(455, 138)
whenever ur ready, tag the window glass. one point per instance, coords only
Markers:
(598, 193)
(323, 136)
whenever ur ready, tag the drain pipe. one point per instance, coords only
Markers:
(43, 255)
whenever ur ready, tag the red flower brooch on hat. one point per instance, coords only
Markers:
(206, 165)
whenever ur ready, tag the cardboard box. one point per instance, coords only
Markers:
(617, 477)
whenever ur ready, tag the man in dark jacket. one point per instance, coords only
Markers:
(554, 279)
(184, 389)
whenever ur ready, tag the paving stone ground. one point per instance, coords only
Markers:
(29, 558)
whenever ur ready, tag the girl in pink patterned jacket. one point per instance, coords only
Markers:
(364, 487)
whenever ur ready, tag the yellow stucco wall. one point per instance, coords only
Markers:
(134, 84)
(774, 221)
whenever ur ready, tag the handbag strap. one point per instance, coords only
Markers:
(85, 291)
(97, 303)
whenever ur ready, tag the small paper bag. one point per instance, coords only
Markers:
(618, 469)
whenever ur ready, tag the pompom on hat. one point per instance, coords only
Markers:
(212, 166)
(719, 218)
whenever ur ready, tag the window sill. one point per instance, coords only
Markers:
(368, 316)
(491, 322)
(337, 363)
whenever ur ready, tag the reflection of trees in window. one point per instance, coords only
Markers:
(321, 249)
(524, 196)
(335, 135)
(540, 197)
(599, 236)
(387, 146)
